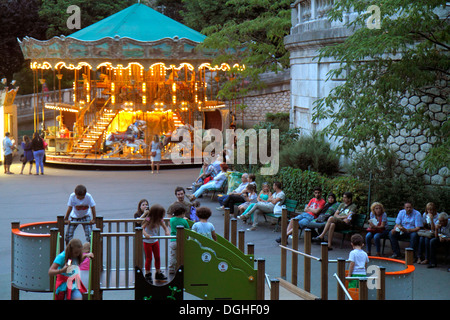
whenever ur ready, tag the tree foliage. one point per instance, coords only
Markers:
(19, 19)
(55, 13)
(247, 32)
(408, 55)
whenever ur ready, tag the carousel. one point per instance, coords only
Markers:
(137, 78)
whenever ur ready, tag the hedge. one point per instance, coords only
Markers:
(299, 185)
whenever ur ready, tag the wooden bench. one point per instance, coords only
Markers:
(358, 221)
(291, 205)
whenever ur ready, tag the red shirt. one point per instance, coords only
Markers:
(314, 203)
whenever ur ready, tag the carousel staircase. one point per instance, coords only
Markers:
(177, 119)
(93, 133)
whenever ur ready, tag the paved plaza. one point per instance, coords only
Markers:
(29, 198)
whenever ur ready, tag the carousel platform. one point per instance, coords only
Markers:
(115, 162)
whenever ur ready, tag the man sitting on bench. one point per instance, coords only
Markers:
(341, 219)
(311, 211)
(408, 222)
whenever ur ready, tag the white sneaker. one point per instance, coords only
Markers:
(220, 208)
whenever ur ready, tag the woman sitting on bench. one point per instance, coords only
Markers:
(261, 208)
(215, 184)
(341, 220)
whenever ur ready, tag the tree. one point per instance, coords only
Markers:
(170, 8)
(19, 19)
(407, 55)
(247, 32)
(55, 13)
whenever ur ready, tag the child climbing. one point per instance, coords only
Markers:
(66, 269)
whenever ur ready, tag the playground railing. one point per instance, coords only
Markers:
(378, 282)
(117, 247)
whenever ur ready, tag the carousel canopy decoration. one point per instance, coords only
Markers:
(137, 34)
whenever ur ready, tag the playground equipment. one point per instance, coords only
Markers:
(393, 284)
(30, 257)
(207, 269)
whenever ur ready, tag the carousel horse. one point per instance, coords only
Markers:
(133, 138)
(174, 142)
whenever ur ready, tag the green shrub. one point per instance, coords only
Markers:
(310, 152)
(299, 184)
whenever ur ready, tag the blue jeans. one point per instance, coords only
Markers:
(424, 245)
(39, 158)
(412, 237)
(304, 219)
(376, 238)
(222, 199)
(208, 186)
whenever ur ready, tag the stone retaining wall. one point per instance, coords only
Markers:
(412, 146)
(273, 98)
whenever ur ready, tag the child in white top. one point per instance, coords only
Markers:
(203, 226)
(80, 209)
(358, 260)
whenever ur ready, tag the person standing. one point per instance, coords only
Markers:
(358, 260)
(178, 219)
(8, 148)
(27, 153)
(37, 145)
(156, 153)
(153, 221)
(80, 209)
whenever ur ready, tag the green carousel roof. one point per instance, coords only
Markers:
(138, 22)
(135, 34)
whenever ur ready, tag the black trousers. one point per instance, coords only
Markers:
(231, 200)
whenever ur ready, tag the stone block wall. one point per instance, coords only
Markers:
(412, 146)
(273, 98)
